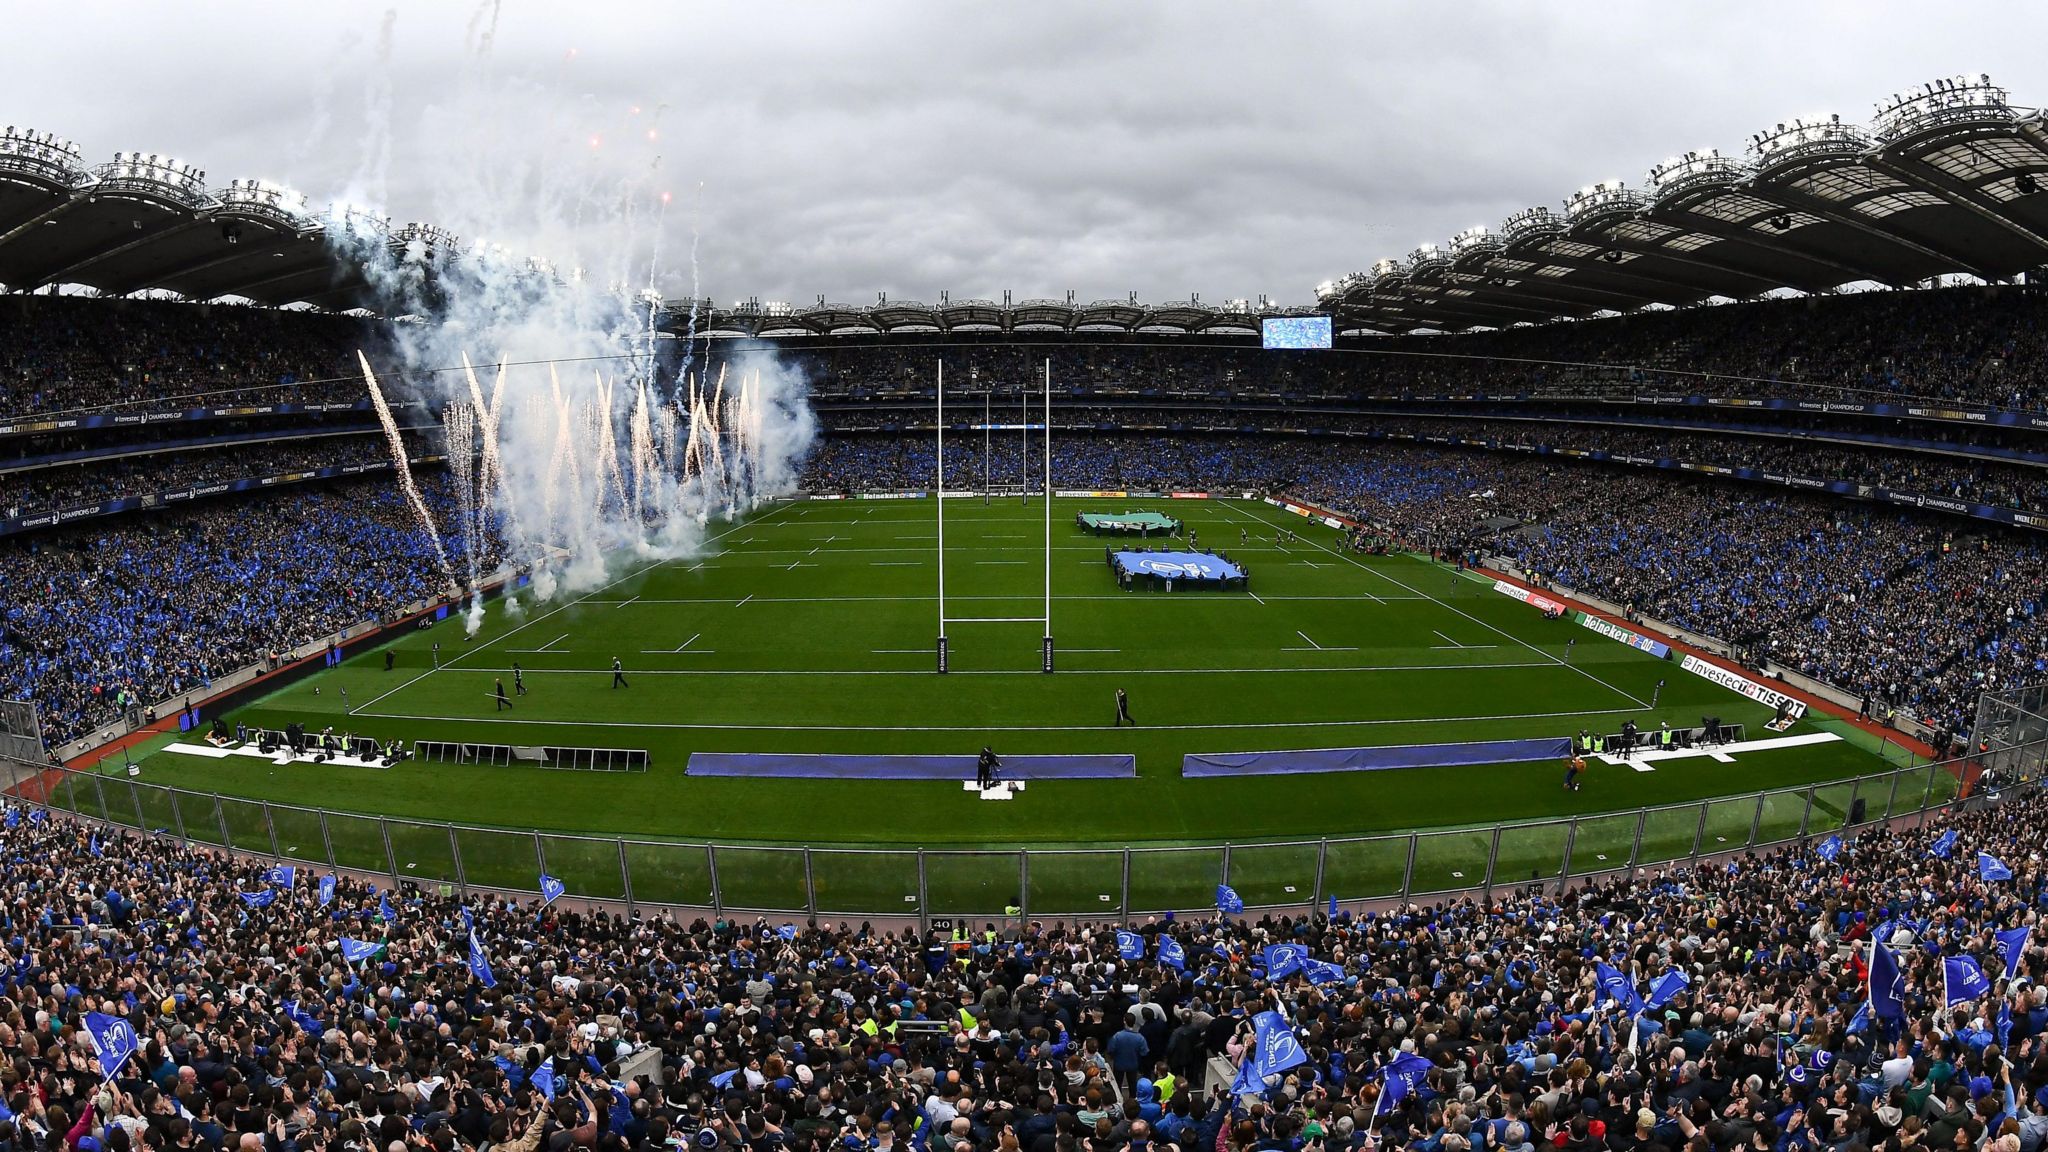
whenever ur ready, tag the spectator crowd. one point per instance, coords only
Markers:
(1875, 992)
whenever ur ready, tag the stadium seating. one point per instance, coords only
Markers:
(1804, 1000)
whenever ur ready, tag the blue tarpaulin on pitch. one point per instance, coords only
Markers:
(797, 766)
(1374, 759)
(1179, 565)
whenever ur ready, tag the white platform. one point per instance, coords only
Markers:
(280, 757)
(1000, 790)
(1646, 760)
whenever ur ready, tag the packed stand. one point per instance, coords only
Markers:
(62, 354)
(71, 485)
(1746, 1006)
(153, 607)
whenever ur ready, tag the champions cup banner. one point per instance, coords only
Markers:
(1615, 631)
(1188, 495)
(1082, 493)
(2001, 417)
(186, 495)
(1736, 682)
(1533, 599)
(132, 419)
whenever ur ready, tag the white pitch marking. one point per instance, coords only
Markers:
(542, 648)
(623, 603)
(752, 725)
(750, 596)
(1255, 596)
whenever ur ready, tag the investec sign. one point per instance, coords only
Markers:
(1735, 682)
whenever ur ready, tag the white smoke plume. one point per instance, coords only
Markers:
(593, 442)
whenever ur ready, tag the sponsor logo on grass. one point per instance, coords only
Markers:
(1533, 599)
(1635, 640)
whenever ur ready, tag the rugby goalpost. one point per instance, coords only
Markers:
(1045, 438)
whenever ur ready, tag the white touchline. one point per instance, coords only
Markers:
(1009, 727)
(1467, 615)
(552, 611)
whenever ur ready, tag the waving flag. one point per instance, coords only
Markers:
(353, 950)
(1944, 844)
(1322, 972)
(1400, 1079)
(1962, 981)
(384, 909)
(1227, 901)
(479, 964)
(95, 846)
(1247, 1082)
(1333, 905)
(113, 1039)
(550, 889)
(2011, 944)
(1279, 1049)
(1283, 960)
(544, 1079)
(1666, 987)
(282, 875)
(1990, 867)
(1616, 986)
(1170, 952)
(1829, 848)
(1130, 946)
(1887, 984)
(326, 891)
(13, 818)
(1860, 1022)
(787, 931)
(724, 1078)
(258, 899)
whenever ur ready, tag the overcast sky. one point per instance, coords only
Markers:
(846, 149)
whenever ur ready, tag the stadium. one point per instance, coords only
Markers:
(1581, 683)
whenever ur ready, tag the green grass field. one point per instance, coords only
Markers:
(810, 628)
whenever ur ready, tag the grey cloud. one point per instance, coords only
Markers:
(849, 149)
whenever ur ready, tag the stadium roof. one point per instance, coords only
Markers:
(1944, 180)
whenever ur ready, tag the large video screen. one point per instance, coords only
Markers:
(1296, 332)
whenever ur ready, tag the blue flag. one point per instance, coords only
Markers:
(1283, 960)
(1860, 1022)
(37, 816)
(2010, 945)
(2003, 1025)
(1322, 972)
(1333, 905)
(1667, 986)
(1990, 867)
(1962, 981)
(1887, 984)
(1279, 1048)
(1616, 986)
(96, 844)
(14, 818)
(258, 899)
(724, 1078)
(1247, 1082)
(479, 964)
(1227, 901)
(1944, 844)
(1829, 848)
(282, 875)
(353, 950)
(1130, 945)
(550, 889)
(1400, 1080)
(544, 1079)
(1171, 953)
(384, 909)
(787, 931)
(326, 891)
(113, 1039)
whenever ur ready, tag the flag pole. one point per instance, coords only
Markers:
(1045, 438)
